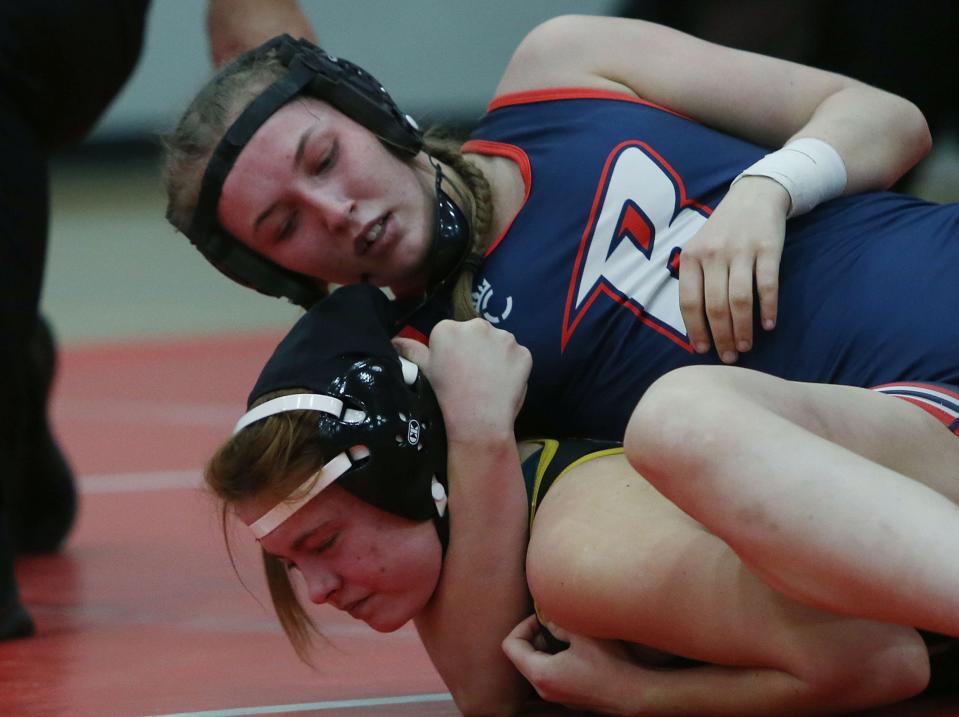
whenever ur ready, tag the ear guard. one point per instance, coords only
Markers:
(376, 413)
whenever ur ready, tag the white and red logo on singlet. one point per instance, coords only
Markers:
(639, 222)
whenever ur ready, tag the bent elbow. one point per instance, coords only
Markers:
(918, 135)
(914, 138)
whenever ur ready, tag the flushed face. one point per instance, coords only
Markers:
(319, 194)
(380, 568)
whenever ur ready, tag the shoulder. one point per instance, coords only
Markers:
(557, 53)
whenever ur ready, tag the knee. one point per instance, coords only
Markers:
(681, 421)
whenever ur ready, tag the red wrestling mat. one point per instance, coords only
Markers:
(141, 614)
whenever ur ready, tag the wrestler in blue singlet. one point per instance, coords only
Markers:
(585, 276)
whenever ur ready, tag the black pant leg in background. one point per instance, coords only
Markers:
(61, 64)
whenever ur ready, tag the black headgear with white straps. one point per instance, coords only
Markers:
(355, 93)
(376, 413)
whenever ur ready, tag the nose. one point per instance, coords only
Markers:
(321, 584)
(334, 211)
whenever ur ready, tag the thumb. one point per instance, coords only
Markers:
(558, 632)
(412, 350)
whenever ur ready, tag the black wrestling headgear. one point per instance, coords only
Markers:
(358, 95)
(364, 396)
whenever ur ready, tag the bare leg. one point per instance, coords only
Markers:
(838, 497)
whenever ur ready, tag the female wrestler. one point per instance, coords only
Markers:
(617, 186)
(339, 469)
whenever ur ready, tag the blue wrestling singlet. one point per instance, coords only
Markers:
(586, 274)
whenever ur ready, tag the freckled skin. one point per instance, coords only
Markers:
(390, 562)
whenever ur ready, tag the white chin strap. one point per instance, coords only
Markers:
(278, 514)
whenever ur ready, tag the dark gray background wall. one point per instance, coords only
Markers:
(440, 58)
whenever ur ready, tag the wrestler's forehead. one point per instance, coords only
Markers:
(322, 508)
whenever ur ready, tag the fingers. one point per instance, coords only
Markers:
(767, 286)
(558, 632)
(738, 248)
(412, 350)
(716, 300)
(716, 294)
(692, 303)
(519, 648)
(525, 630)
(741, 304)
(479, 375)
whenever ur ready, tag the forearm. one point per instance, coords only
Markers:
(734, 692)
(767, 101)
(235, 26)
(482, 592)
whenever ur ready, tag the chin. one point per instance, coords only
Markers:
(386, 626)
(410, 287)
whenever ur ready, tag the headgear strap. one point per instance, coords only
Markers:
(279, 513)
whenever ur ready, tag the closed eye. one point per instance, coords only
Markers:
(288, 227)
(329, 159)
(326, 544)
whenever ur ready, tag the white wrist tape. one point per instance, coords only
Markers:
(810, 170)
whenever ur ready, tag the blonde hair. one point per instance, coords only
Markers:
(189, 147)
(272, 457)
(480, 214)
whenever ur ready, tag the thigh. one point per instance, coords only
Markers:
(842, 498)
(882, 428)
(902, 435)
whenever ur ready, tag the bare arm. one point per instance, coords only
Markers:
(600, 675)
(235, 26)
(479, 375)
(762, 99)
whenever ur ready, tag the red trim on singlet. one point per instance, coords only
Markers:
(941, 414)
(509, 151)
(549, 94)
(408, 332)
(919, 384)
(926, 406)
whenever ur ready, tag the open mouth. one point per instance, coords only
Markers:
(372, 235)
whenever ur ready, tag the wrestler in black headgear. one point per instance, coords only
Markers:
(341, 348)
(358, 95)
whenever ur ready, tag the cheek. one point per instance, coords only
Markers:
(405, 563)
(369, 562)
(310, 254)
